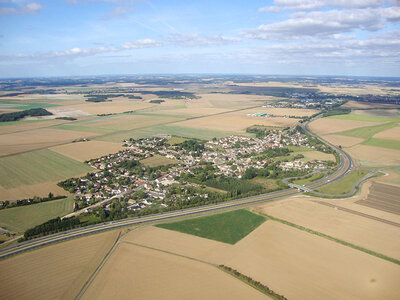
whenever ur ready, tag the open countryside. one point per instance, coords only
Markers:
(145, 158)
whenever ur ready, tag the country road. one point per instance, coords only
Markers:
(346, 164)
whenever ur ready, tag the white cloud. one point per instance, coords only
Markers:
(318, 4)
(27, 9)
(194, 40)
(323, 24)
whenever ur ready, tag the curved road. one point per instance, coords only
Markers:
(346, 165)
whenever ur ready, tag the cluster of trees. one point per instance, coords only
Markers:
(337, 111)
(66, 118)
(191, 145)
(157, 101)
(15, 116)
(101, 98)
(253, 282)
(34, 200)
(133, 97)
(52, 226)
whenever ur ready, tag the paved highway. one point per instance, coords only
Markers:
(346, 165)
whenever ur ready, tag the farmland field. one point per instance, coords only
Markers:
(151, 274)
(227, 227)
(158, 160)
(36, 167)
(368, 132)
(358, 117)
(391, 134)
(383, 143)
(376, 155)
(19, 219)
(324, 126)
(383, 197)
(54, 272)
(83, 151)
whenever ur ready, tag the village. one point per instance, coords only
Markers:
(126, 177)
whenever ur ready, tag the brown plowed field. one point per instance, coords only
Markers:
(390, 134)
(383, 197)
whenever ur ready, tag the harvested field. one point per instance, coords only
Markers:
(234, 101)
(37, 167)
(114, 107)
(83, 151)
(152, 274)
(158, 160)
(17, 126)
(278, 111)
(236, 121)
(375, 155)
(178, 243)
(37, 139)
(54, 272)
(316, 155)
(367, 118)
(388, 113)
(19, 219)
(26, 191)
(300, 265)
(326, 126)
(383, 197)
(365, 232)
(391, 134)
(355, 104)
(344, 141)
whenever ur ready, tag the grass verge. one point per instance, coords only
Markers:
(344, 185)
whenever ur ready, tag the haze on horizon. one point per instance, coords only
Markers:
(95, 37)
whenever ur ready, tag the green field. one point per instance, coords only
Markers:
(229, 227)
(24, 122)
(383, 143)
(203, 134)
(158, 160)
(344, 185)
(21, 218)
(303, 181)
(95, 129)
(24, 106)
(364, 118)
(36, 167)
(367, 132)
(267, 184)
(175, 140)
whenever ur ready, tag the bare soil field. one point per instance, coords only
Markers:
(355, 229)
(344, 141)
(37, 138)
(375, 155)
(54, 272)
(144, 273)
(325, 126)
(383, 197)
(234, 101)
(390, 134)
(300, 265)
(27, 191)
(390, 113)
(83, 151)
(236, 121)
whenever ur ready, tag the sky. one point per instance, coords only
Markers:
(277, 37)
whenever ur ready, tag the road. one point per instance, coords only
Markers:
(346, 164)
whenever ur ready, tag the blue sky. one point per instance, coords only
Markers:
(284, 37)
